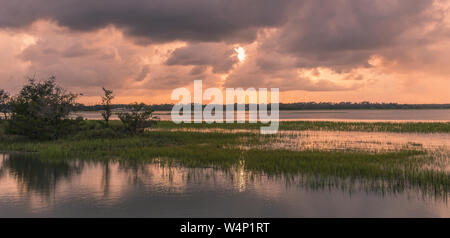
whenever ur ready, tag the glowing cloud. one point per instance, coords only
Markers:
(241, 54)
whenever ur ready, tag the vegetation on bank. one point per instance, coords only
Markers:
(91, 129)
(387, 170)
(419, 127)
(41, 111)
(380, 172)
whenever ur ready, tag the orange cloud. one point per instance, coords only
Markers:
(349, 50)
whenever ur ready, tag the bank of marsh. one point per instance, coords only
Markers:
(395, 169)
(419, 127)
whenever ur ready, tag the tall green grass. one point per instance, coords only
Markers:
(393, 170)
(419, 127)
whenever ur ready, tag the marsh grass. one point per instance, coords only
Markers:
(419, 127)
(392, 171)
(94, 129)
(381, 171)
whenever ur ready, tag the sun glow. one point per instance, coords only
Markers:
(240, 54)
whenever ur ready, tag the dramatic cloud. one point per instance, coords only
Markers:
(375, 50)
(264, 70)
(345, 33)
(220, 56)
(85, 62)
(154, 20)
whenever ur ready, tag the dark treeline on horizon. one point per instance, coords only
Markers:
(294, 106)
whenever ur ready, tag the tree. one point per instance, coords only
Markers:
(41, 110)
(4, 103)
(137, 118)
(106, 102)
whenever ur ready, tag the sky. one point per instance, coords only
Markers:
(312, 50)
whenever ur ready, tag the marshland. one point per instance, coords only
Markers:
(132, 164)
(380, 165)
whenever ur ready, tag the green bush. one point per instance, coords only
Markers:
(4, 104)
(41, 111)
(137, 118)
(97, 130)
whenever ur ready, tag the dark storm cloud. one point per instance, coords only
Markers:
(306, 35)
(345, 33)
(340, 34)
(198, 70)
(219, 56)
(158, 20)
(323, 25)
(78, 50)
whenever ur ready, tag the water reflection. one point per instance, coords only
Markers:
(36, 175)
(32, 187)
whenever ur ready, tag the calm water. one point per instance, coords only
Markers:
(335, 115)
(30, 187)
(437, 144)
(34, 188)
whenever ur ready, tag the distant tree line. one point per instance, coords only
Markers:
(293, 106)
(361, 105)
(100, 107)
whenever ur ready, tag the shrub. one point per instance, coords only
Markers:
(106, 102)
(4, 104)
(96, 130)
(137, 118)
(41, 111)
